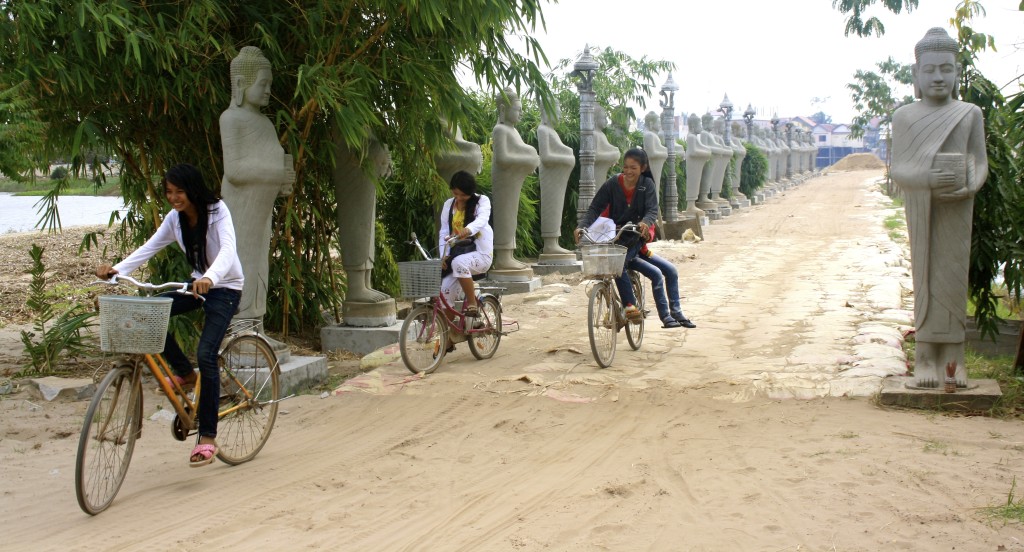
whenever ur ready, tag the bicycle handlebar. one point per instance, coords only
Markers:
(180, 287)
(629, 227)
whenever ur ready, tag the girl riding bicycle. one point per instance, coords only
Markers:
(202, 226)
(629, 197)
(465, 215)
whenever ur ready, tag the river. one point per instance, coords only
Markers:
(21, 213)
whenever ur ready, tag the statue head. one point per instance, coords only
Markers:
(250, 68)
(936, 72)
(718, 126)
(509, 107)
(549, 116)
(694, 124)
(600, 117)
(706, 121)
(652, 122)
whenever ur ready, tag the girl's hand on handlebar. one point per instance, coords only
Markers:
(576, 234)
(105, 271)
(201, 286)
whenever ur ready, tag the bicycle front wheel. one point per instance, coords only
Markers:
(635, 330)
(423, 340)
(601, 324)
(112, 424)
(484, 344)
(249, 391)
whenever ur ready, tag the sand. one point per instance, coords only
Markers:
(755, 431)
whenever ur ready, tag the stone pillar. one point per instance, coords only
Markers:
(585, 68)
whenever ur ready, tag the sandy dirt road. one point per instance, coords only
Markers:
(694, 442)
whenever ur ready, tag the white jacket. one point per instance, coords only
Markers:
(479, 227)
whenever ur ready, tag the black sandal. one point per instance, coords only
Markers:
(471, 311)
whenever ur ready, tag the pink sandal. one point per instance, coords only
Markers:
(206, 452)
(185, 383)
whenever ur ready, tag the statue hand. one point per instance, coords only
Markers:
(941, 178)
(954, 195)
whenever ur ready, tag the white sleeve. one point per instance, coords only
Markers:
(160, 239)
(223, 230)
(482, 216)
(445, 230)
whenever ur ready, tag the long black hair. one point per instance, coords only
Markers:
(188, 178)
(466, 183)
(640, 156)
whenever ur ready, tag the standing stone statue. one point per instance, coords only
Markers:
(739, 152)
(462, 156)
(939, 160)
(712, 171)
(513, 161)
(724, 153)
(697, 156)
(607, 154)
(356, 172)
(657, 153)
(556, 164)
(256, 173)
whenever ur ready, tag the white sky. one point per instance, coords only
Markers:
(776, 55)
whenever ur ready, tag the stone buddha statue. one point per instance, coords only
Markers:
(356, 172)
(940, 162)
(607, 154)
(256, 173)
(657, 153)
(783, 156)
(812, 153)
(725, 153)
(739, 152)
(698, 154)
(713, 171)
(513, 161)
(462, 156)
(556, 164)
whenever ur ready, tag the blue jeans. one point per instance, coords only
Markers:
(220, 306)
(622, 280)
(664, 284)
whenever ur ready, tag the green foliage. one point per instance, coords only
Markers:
(860, 25)
(1013, 510)
(148, 81)
(754, 173)
(875, 94)
(48, 343)
(21, 132)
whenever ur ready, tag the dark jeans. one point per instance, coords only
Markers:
(664, 284)
(622, 280)
(220, 306)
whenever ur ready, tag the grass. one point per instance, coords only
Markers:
(896, 224)
(79, 186)
(999, 368)
(1013, 510)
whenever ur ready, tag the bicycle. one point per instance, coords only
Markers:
(424, 337)
(603, 261)
(136, 326)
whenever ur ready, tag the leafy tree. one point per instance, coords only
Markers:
(754, 172)
(21, 133)
(147, 81)
(861, 25)
(878, 94)
(821, 118)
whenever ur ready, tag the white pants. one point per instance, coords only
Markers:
(463, 266)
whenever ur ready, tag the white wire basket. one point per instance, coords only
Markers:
(603, 259)
(420, 278)
(135, 325)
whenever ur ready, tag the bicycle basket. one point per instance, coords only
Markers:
(420, 278)
(603, 259)
(133, 324)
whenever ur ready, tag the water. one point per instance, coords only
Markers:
(21, 213)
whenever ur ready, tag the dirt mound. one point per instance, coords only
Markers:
(858, 162)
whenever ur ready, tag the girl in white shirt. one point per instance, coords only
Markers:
(466, 215)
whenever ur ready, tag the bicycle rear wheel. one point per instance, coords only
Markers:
(601, 324)
(635, 330)
(484, 344)
(249, 391)
(112, 424)
(423, 340)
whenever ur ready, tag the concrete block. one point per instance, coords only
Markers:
(358, 340)
(301, 373)
(50, 388)
(981, 395)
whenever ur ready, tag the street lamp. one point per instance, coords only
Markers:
(668, 130)
(585, 68)
(726, 108)
(748, 117)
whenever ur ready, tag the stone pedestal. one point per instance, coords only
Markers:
(555, 259)
(368, 315)
(544, 269)
(301, 372)
(981, 395)
(358, 340)
(512, 284)
(675, 230)
(724, 207)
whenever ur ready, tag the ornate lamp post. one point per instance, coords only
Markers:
(789, 144)
(668, 130)
(585, 68)
(748, 117)
(726, 108)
